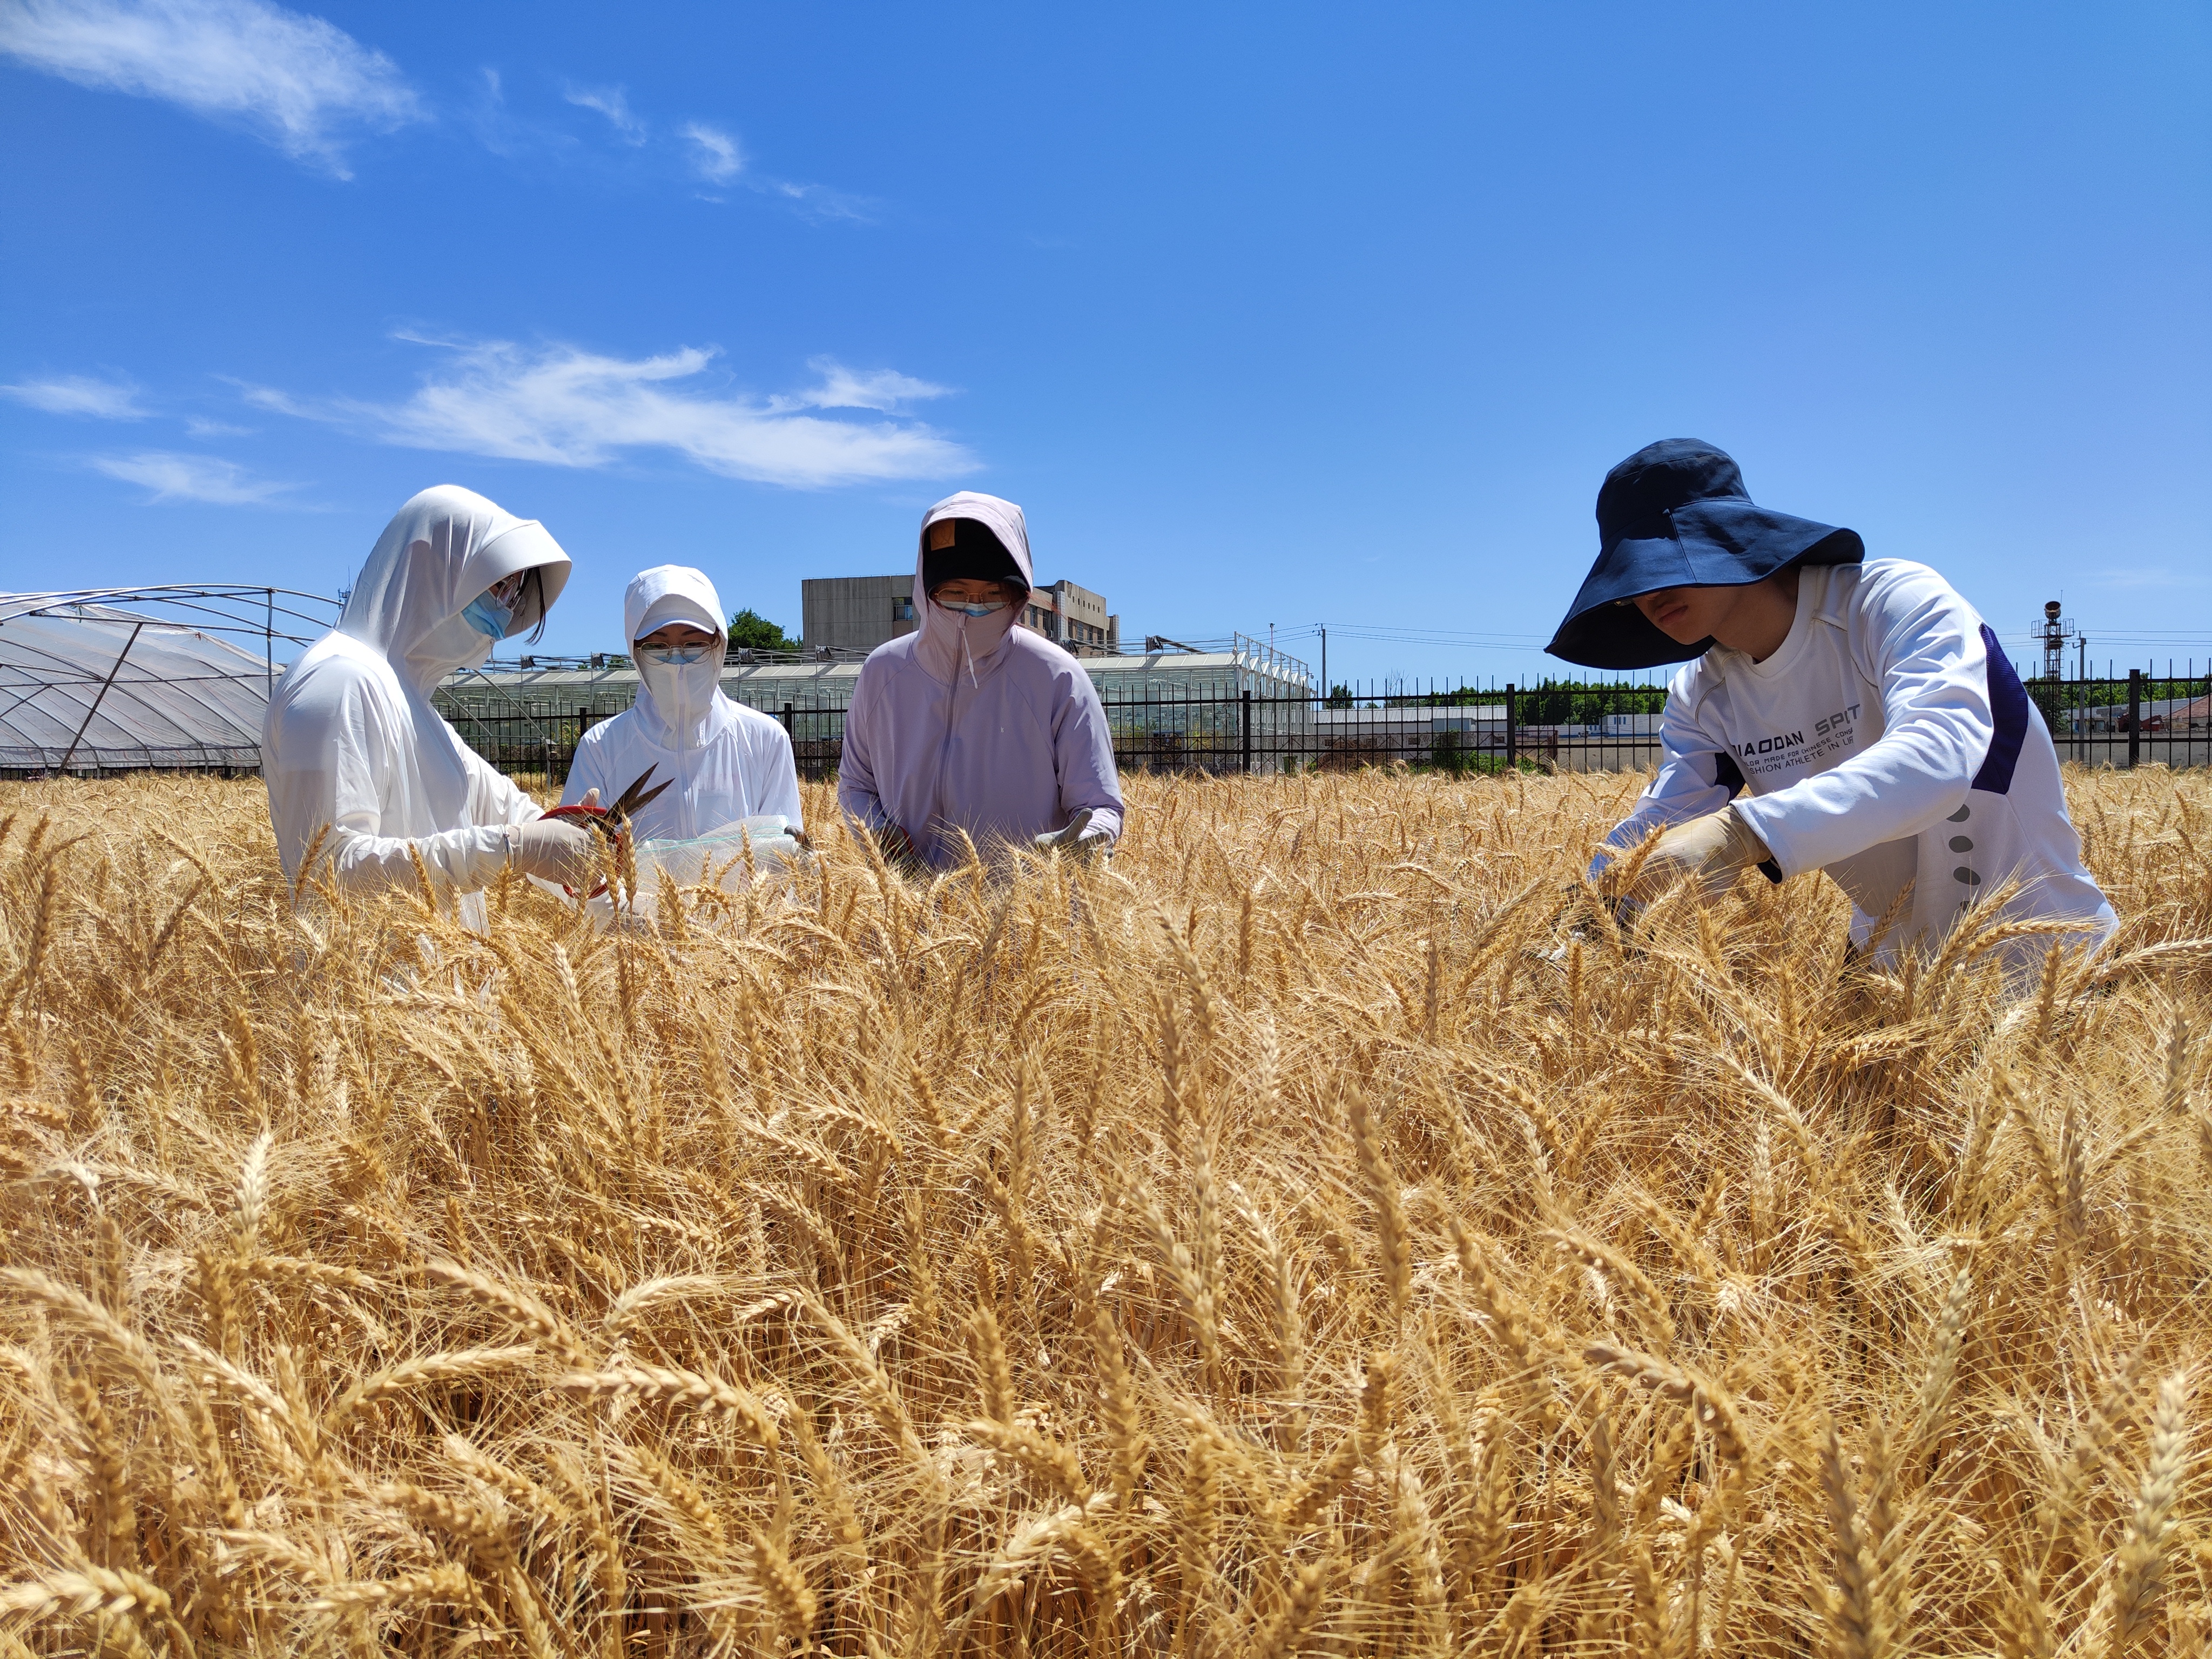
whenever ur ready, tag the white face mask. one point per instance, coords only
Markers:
(454, 643)
(682, 684)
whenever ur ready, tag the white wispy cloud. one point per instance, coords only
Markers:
(198, 426)
(715, 154)
(80, 394)
(567, 407)
(174, 477)
(495, 124)
(300, 82)
(884, 389)
(819, 202)
(280, 403)
(613, 102)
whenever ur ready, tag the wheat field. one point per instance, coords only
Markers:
(1319, 1232)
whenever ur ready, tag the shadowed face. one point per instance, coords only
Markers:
(1754, 618)
(1687, 615)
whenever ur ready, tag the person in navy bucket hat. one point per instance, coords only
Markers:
(1840, 714)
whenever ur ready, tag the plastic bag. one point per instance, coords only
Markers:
(718, 857)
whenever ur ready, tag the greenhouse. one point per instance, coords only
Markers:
(1168, 708)
(168, 677)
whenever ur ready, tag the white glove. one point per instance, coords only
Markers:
(554, 849)
(1710, 851)
(1077, 838)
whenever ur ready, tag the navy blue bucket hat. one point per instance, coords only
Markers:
(1674, 515)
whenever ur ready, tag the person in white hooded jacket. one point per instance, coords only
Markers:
(358, 763)
(722, 761)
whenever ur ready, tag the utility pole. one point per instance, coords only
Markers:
(1324, 658)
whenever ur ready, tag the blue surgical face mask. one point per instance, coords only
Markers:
(978, 608)
(487, 616)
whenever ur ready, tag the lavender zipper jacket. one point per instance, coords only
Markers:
(972, 724)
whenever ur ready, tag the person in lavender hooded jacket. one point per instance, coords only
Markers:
(971, 724)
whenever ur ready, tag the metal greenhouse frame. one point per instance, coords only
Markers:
(106, 679)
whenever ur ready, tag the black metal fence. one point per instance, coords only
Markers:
(1461, 730)
(2135, 719)
(2138, 718)
(545, 742)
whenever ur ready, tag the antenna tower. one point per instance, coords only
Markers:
(2055, 635)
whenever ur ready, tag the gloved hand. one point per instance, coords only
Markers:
(1709, 850)
(557, 850)
(1077, 838)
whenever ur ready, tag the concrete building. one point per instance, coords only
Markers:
(854, 613)
(1075, 618)
(843, 614)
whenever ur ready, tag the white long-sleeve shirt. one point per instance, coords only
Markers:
(1888, 742)
(351, 749)
(737, 765)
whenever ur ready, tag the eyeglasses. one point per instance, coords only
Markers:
(507, 589)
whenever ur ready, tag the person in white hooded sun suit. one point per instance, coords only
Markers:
(971, 725)
(722, 761)
(354, 753)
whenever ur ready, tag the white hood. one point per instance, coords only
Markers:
(678, 703)
(439, 551)
(942, 650)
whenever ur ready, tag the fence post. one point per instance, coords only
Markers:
(1513, 731)
(786, 719)
(2135, 716)
(1248, 732)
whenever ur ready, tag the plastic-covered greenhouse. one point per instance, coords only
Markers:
(168, 677)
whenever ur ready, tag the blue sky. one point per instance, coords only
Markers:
(1266, 315)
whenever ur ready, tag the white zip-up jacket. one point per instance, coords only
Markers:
(722, 761)
(1889, 743)
(350, 742)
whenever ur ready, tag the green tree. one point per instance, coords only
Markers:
(1339, 696)
(751, 631)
